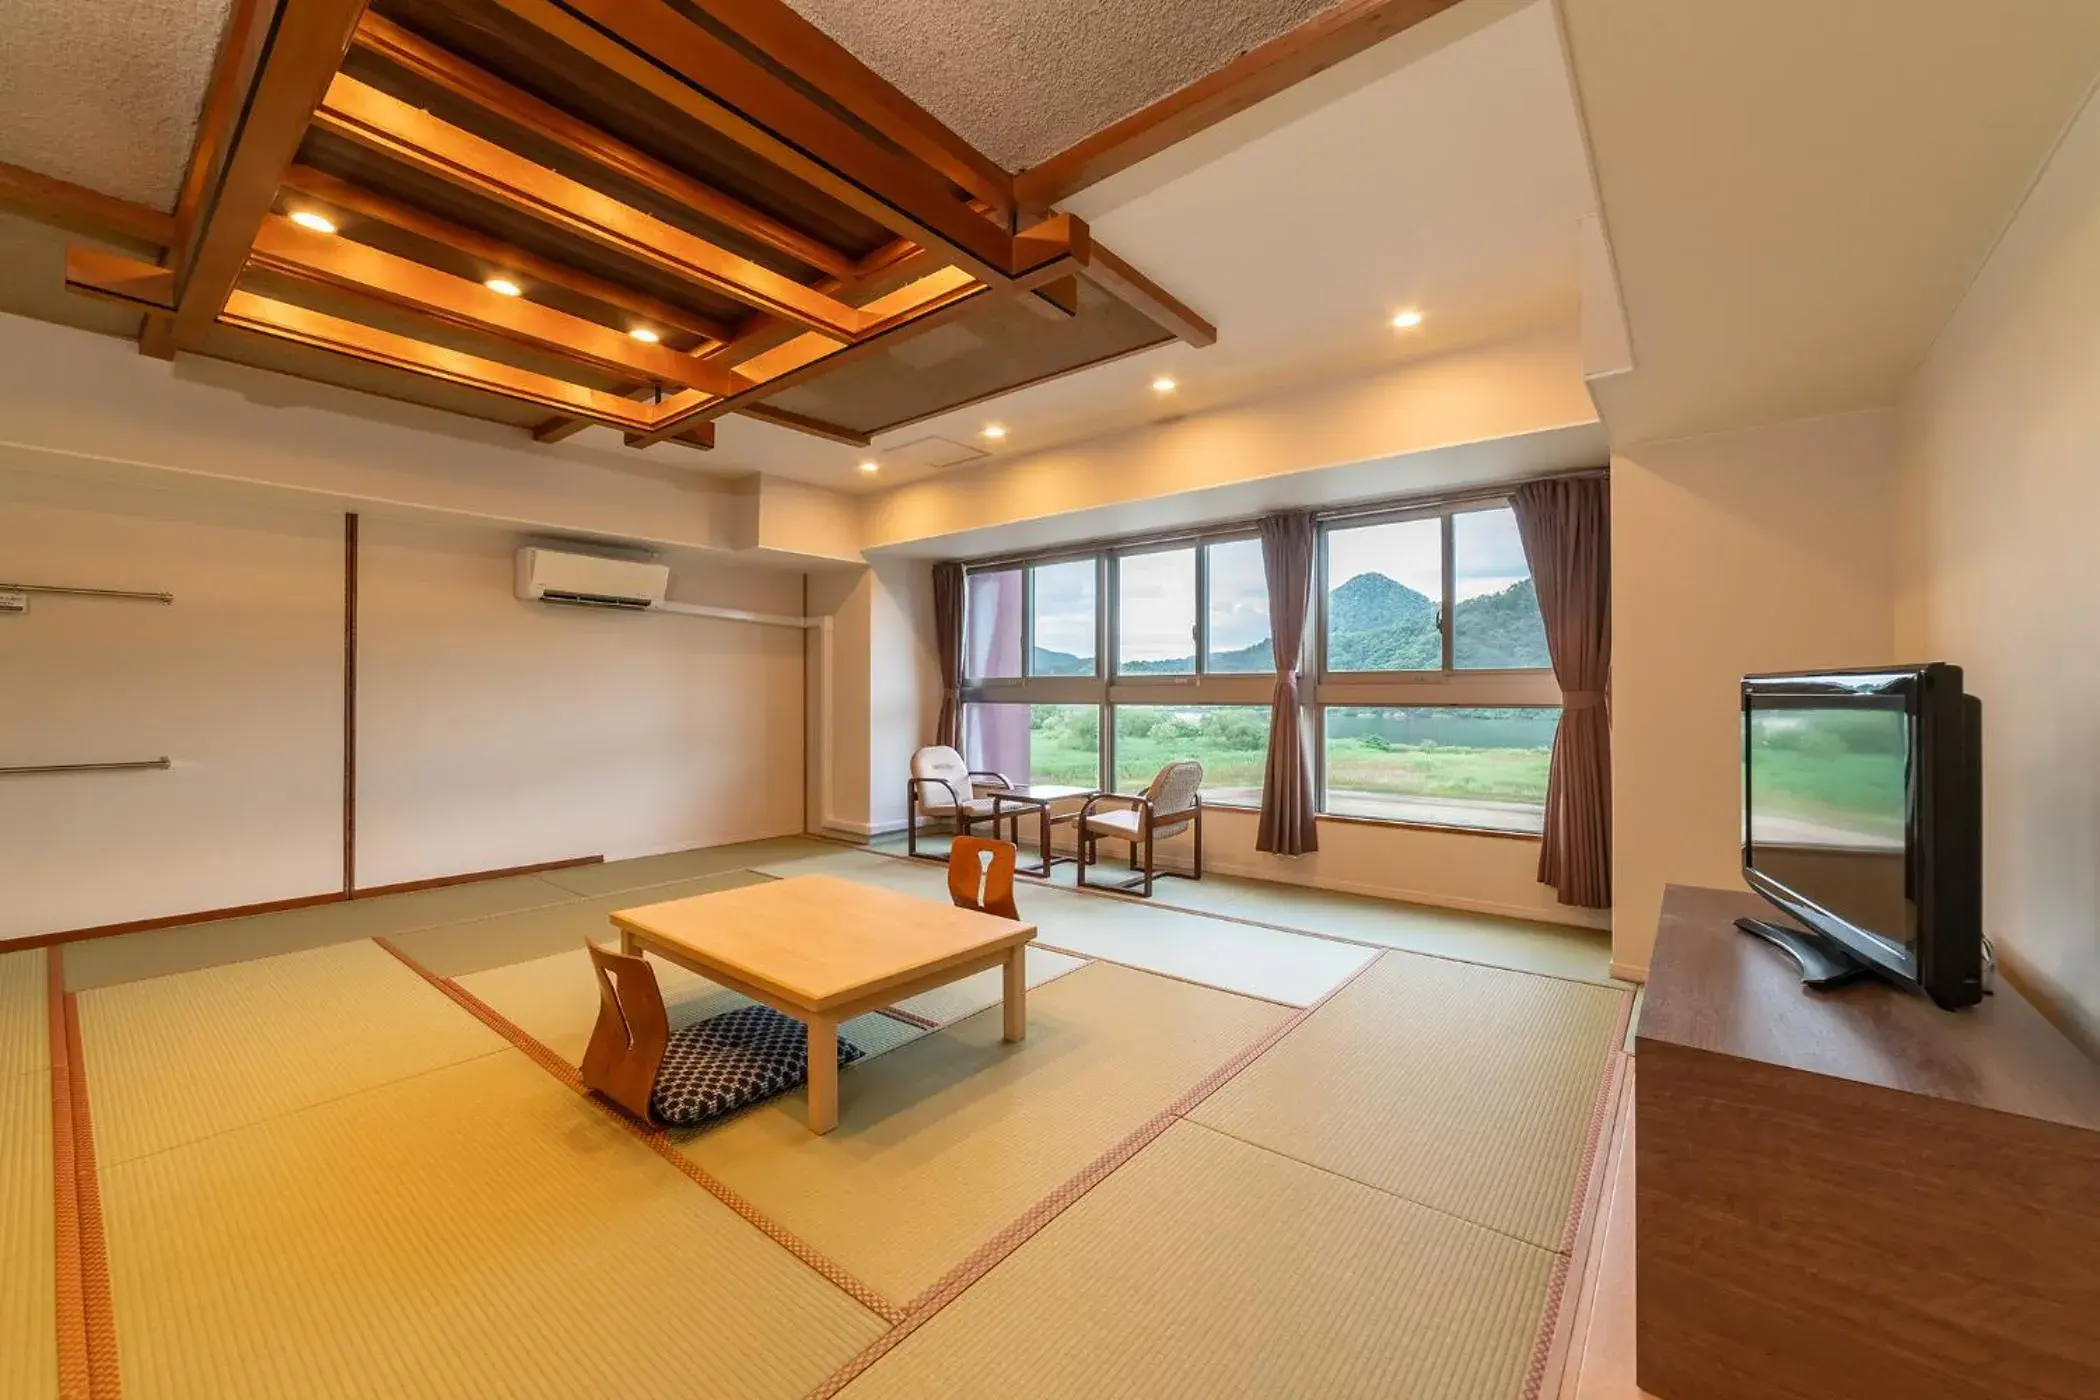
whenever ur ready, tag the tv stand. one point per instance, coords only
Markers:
(1856, 1197)
(1824, 965)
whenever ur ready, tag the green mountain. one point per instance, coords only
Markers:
(1377, 624)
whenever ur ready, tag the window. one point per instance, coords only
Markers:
(1495, 620)
(992, 625)
(1428, 685)
(1230, 741)
(1156, 613)
(1385, 584)
(1035, 743)
(1439, 765)
(1236, 637)
(1067, 622)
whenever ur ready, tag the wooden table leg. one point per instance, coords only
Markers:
(1017, 993)
(627, 942)
(824, 1075)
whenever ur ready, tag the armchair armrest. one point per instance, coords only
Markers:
(1135, 800)
(955, 799)
(1000, 778)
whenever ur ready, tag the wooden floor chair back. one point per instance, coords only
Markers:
(981, 875)
(632, 1033)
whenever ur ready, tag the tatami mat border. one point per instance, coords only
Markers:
(656, 1139)
(1154, 902)
(988, 1255)
(86, 1315)
(75, 1374)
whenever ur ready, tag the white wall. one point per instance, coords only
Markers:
(494, 732)
(491, 732)
(1999, 438)
(1769, 549)
(239, 682)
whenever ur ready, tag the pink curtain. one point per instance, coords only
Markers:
(1566, 528)
(948, 641)
(1287, 825)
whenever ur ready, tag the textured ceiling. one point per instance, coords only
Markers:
(1023, 79)
(105, 93)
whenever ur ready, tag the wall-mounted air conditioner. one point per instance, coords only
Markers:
(552, 576)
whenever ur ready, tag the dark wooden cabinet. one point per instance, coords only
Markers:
(1854, 1195)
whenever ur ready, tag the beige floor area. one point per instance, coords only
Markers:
(1270, 1163)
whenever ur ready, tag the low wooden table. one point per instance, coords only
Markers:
(1041, 797)
(824, 950)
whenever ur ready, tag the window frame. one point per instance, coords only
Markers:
(1322, 689)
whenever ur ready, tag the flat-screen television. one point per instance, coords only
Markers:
(1862, 818)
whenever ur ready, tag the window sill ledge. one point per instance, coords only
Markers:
(1390, 824)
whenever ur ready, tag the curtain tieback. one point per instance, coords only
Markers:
(1581, 699)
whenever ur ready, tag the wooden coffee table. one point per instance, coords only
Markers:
(824, 950)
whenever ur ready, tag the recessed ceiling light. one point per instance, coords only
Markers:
(994, 431)
(308, 219)
(1163, 385)
(645, 335)
(503, 286)
(871, 467)
(1407, 320)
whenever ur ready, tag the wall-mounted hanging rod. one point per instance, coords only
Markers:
(135, 765)
(87, 592)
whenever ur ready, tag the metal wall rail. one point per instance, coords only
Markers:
(34, 769)
(54, 588)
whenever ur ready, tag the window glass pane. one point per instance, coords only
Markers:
(992, 625)
(1239, 610)
(1156, 613)
(1035, 743)
(1495, 619)
(1230, 741)
(1442, 765)
(1064, 618)
(1383, 583)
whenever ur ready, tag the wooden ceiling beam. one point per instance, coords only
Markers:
(1124, 282)
(80, 210)
(283, 248)
(434, 65)
(655, 47)
(802, 423)
(361, 113)
(283, 321)
(793, 43)
(1346, 29)
(300, 54)
(500, 257)
(121, 281)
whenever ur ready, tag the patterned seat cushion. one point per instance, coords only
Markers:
(719, 1065)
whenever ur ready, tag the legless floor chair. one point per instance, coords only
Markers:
(690, 1076)
(981, 875)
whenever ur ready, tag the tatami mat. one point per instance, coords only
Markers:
(129, 957)
(25, 996)
(944, 1141)
(1527, 945)
(1209, 1268)
(555, 1001)
(615, 875)
(988, 988)
(454, 950)
(1468, 1089)
(1261, 962)
(180, 1058)
(28, 1290)
(477, 1231)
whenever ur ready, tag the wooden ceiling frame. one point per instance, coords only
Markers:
(301, 49)
(500, 258)
(492, 95)
(383, 279)
(748, 71)
(361, 113)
